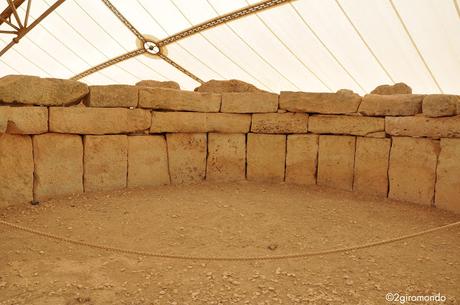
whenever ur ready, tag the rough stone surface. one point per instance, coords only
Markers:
(187, 157)
(24, 120)
(138, 120)
(58, 162)
(336, 161)
(147, 161)
(448, 176)
(199, 122)
(113, 96)
(170, 99)
(371, 166)
(33, 90)
(16, 169)
(249, 102)
(105, 162)
(412, 170)
(3, 118)
(439, 105)
(343, 101)
(398, 88)
(279, 123)
(221, 86)
(395, 105)
(226, 157)
(301, 159)
(158, 84)
(266, 156)
(420, 126)
(343, 124)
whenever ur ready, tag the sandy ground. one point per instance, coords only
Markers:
(227, 220)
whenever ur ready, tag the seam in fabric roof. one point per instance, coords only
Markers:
(50, 55)
(457, 7)
(9, 66)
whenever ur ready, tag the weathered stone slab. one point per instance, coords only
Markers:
(279, 123)
(398, 88)
(3, 118)
(439, 105)
(16, 169)
(420, 126)
(249, 102)
(24, 120)
(138, 120)
(412, 170)
(226, 157)
(345, 124)
(371, 166)
(33, 90)
(395, 105)
(58, 160)
(221, 86)
(187, 157)
(105, 162)
(343, 101)
(158, 84)
(266, 157)
(336, 161)
(113, 96)
(301, 159)
(170, 99)
(147, 161)
(200, 122)
(448, 176)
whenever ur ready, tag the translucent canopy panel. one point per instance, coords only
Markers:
(302, 45)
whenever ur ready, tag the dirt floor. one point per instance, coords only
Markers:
(227, 220)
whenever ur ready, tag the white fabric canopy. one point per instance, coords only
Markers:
(304, 45)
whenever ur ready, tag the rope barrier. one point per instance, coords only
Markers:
(219, 258)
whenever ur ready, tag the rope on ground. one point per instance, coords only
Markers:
(217, 258)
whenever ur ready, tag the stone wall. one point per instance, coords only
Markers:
(60, 137)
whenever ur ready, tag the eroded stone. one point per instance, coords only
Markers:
(448, 176)
(249, 102)
(226, 157)
(113, 96)
(343, 124)
(394, 105)
(341, 102)
(279, 123)
(301, 159)
(266, 157)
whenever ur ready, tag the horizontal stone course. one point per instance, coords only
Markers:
(345, 124)
(24, 120)
(420, 126)
(391, 105)
(113, 96)
(439, 105)
(279, 123)
(249, 102)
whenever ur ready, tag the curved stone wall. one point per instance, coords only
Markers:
(60, 137)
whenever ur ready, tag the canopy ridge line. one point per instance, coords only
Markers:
(249, 10)
(109, 63)
(23, 29)
(180, 68)
(125, 21)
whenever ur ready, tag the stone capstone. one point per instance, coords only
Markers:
(398, 88)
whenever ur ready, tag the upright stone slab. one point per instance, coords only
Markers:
(420, 126)
(16, 169)
(412, 172)
(345, 124)
(3, 118)
(187, 157)
(448, 176)
(394, 105)
(147, 161)
(113, 96)
(266, 157)
(58, 162)
(301, 159)
(439, 105)
(226, 157)
(371, 166)
(336, 161)
(249, 102)
(105, 162)
(24, 120)
(279, 123)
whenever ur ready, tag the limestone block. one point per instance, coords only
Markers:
(105, 162)
(448, 176)
(343, 101)
(420, 126)
(147, 161)
(266, 157)
(412, 170)
(345, 124)
(279, 123)
(249, 102)
(158, 84)
(24, 120)
(138, 120)
(58, 160)
(4, 110)
(170, 99)
(226, 157)
(113, 96)
(336, 161)
(301, 159)
(33, 90)
(371, 166)
(221, 86)
(395, 105)
(228, 122)
(398, 88)
(16, 169)
(439, 105)
(187, 157)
